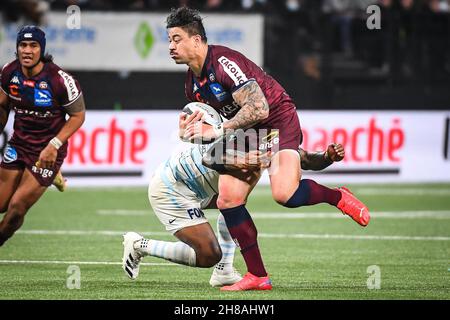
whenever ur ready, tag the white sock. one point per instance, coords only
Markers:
(177, 252)
(226, 244)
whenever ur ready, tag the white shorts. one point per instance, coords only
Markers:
(175, 205)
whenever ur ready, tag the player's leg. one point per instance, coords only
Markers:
(233, 193)
(287, 188)
(289, 191)
(27, 193)
(179, 211)
(198, 247)
(285, 174)
(9, 180)
(224, 273)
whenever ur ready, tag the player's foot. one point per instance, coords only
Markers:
(60, 182)
(250, 282)
(131, 258)
(352, 207)
(220, 278)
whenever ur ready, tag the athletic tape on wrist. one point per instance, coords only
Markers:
(218, 130)
(56, 143)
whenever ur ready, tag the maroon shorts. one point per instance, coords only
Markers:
(285, 127)
(280, 133)
(18, 158)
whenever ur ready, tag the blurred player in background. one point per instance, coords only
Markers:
(183, 186)
(249, 98)
(41, 95)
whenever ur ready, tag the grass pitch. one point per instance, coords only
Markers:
(311, 253)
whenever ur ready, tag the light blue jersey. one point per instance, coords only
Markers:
(186, 167)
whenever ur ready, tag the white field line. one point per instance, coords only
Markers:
(82, 262)
(122, 212)
(352, 237)
(439, 214)
(261, 235)
(424, 214)
(403, 192)
(381, 191)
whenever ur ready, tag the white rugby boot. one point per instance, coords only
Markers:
(220, 278)
(131, 257)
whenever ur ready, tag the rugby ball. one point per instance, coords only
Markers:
(212, 117)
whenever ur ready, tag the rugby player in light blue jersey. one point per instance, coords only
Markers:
(180, 189)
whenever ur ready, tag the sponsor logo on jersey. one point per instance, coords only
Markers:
(44, 173)
(199, 98)
(271, 136)
(212, 77)
(43, 85)
(10, 154)
(233, 70)
(14, 90)
(218, 91)
(29, 83)
(269, 141)
(230, 109)
(34, 113)
(15, 80)
(42, 98)
(69, 82)
(195, 213)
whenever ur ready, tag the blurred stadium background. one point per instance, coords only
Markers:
(383, 93)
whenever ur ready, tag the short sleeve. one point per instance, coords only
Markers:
(68, 90)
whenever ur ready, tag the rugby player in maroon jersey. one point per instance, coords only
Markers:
(41, 94)
(250, 99)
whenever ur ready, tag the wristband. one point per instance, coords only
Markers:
(56, 143)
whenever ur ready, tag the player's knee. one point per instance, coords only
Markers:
(3, 239)
(17, 209)
(3, 208)
(209, 256)
(4, 203)
(281, 196)
(227, 203)
(214, 257)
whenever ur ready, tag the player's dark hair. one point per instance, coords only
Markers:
(187, 19)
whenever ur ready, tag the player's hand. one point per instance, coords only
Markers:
(335, 152)
(185, 120)
(253, 160)
(200, 131)
(257, 159)
(47, 158)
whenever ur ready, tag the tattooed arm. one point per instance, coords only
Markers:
(254, 107)
(4, 110)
